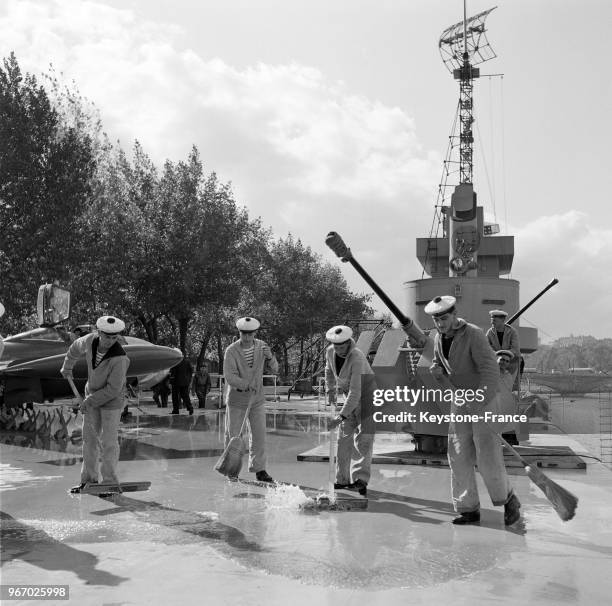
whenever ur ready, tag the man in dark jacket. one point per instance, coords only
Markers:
(180, 377)
(201, 384)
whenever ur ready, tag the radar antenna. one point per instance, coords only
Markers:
(462, 46)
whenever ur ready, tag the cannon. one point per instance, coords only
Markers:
(401, 362)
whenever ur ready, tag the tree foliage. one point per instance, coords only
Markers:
(46, 169)
(585, 352)
(168, 249)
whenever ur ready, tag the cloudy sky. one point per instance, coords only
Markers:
(336, 116)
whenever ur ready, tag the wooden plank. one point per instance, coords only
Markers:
(103, 488)
(559, 457)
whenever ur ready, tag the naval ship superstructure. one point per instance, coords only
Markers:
(468, 259)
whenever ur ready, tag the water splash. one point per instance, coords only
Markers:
(286, 496)
(293, 498)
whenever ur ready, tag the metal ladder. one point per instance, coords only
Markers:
(605, 427)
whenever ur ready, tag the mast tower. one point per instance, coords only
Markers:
(468, 261)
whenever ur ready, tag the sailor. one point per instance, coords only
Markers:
(504, 336)
(508, 401)
(107, 365)
(462, 354)
(348, 372)
(243, 369)
(504, 359)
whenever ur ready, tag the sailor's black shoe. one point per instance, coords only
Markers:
(468, 517)
(78, 489)
(361, 487)
(511, 438)
(512, 510)
(263, 476)
(338, 486)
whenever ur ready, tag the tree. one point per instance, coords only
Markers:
(300, 297)
(46, 170)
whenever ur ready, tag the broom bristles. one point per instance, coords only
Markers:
(562, 500)
(230, 462)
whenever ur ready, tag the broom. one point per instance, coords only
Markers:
(332, 454)
(76, 393)
(230, 462)
(562, 500)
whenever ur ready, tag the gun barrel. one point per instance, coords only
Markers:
(336, 243)
(525, 307)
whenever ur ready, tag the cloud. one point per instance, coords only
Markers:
(304, 152)
(569, 247)
(323, 139)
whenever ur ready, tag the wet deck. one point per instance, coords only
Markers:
(196, 538)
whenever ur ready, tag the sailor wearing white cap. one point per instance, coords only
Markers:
(348, 372)
(504, 336)
(463, 355)
(504, 358)
(110, 325)
(107, 365)
(247, 324)
(339, 334)
(243, 369)
(440, 305)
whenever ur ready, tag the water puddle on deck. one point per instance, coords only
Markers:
(397, 542)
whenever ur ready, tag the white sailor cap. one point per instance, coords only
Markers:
(110, 324)
(1, 310)
(440, 305)
(498, 313)
(247, 324)
(505, 353)
(339, 334)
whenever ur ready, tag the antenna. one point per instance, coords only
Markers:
(462, 46)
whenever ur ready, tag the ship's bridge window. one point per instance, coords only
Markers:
(493, 302)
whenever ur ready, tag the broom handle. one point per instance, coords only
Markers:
(513, 452)
(331, 477)
(77, 395)
(445, 381)
(75, 391)
(246, 414)
(331, 470)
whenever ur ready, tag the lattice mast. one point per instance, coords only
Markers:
(462, 46)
